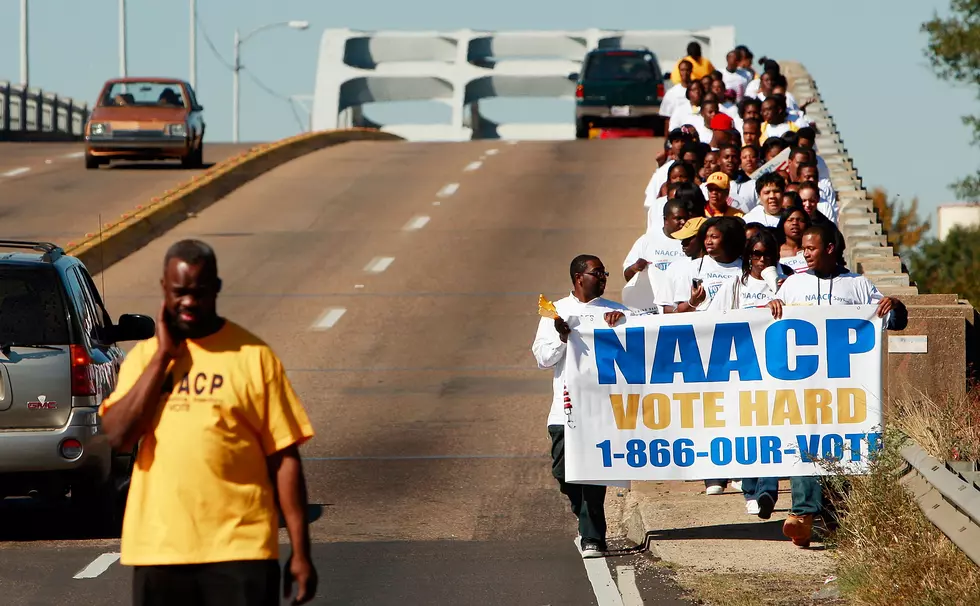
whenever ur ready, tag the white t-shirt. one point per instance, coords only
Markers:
(791, 104)
(736, 81)
(658, 178)
(672, 98)
(759, 215)
(712, 273)
(846, 289)
(655, 213)
(657, 248)
(549, 351)
(730, 108)
(797, 262)
(735, 295)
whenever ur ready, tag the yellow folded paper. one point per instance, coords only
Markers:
(546, 308)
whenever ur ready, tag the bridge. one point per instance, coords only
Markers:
(461, 68)
(397, 280)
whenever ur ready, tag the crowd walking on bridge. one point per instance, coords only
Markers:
(740, 213)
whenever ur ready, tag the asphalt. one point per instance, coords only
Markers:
(48, 194)
(429, 473)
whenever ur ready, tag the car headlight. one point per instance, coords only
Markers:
(177, 130)
(100, 128)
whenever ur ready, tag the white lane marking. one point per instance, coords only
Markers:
(491, 152)
(329, 317)
(448, 190)
(437, 203)
(626, 579)
(416, 223)
(606, 593)
(512, 142)
(74, 155)
(378, 264)
(473, 166)
(49, 161)
(358, 286)
(16, 171)
(97, 566)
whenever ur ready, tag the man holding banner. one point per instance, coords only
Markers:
(583, 307)
(816, 287)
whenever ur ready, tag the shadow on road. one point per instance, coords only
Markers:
(26, 519)
(160, 165)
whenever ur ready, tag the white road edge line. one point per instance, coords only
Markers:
(626, 579)
(97, 566)
(417, 222)
(491, 152)
(606, 593)
(378, 264)
(74, 155)
(473, 166)
(448, 190)
(16, 171)
(329, 317)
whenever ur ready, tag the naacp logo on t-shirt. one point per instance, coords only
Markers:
(825, 297)
(663, 265)
(200, 384)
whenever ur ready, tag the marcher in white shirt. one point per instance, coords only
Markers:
(793, 223)
(735, 79)
(742, 192)
(680, 172)
(826, 282)
(677, 93)
(818, 210)
(723, 239)
(807, 137)
(775, 122)
(583, 306)
(689, 106)
(658, 248)
(676, 140)
(810, 172)
(769, 189)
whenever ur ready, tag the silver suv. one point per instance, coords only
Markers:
(58, 359)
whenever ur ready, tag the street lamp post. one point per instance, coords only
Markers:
(122, 39)
(193, 44)
(239, 41)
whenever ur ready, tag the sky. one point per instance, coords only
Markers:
(865, 56)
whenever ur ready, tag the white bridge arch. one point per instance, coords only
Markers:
(460, 68)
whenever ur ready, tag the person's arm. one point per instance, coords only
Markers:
(550, 342)
(632, 270)
(286, 469)
(126, 419)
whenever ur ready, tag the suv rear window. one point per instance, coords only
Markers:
(618, 66)
(32, 311)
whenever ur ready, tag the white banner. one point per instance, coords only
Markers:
(724, 395)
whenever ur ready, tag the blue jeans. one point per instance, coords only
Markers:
(807, 495)
(753, 488)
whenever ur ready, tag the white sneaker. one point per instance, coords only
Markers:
(736, 485)
(714, 489)
(752, 507)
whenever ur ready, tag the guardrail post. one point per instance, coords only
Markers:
(38, 111)
(5, 108)
(70, 116)
(23, 109)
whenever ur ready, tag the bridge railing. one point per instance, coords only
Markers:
(31, 114)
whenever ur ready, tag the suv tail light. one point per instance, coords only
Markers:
(579, 91)
(82, 378)
(660, 90)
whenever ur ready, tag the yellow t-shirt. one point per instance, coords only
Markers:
(200, 490)
(699, 69)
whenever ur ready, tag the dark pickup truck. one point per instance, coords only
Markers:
(619, 88)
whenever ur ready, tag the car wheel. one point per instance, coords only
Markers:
(100, 503)
(91, 162)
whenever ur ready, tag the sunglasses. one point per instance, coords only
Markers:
(595, 273)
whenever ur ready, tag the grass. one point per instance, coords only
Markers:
(887, 551)
(777, 589)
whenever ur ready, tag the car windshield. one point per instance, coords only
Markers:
(32, 311)
(610, 66)
(144, 94)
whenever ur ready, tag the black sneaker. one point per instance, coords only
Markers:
(592, 548)
(766, 505)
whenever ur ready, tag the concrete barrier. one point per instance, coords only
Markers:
(135, 229)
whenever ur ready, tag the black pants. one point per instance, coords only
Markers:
(588, 501)
(243, 583)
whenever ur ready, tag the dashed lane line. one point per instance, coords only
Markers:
(473, 166)
(448, 190)
(329, 318)
(417, 222)
(97, 566)
(378, 264)
(16, 171)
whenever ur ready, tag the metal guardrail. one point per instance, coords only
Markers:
(31, 114)
(948, 494)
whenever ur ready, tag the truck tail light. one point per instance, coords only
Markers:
(660, 90)
(579, 91)
(82, 378)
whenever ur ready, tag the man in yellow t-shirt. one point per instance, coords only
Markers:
(218, 426)
(701, 66)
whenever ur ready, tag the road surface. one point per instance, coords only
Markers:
(48, 194)
(399, 284)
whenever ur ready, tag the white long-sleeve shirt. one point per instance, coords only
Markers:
(549, 350)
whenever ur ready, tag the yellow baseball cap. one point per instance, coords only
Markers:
(690, 229)
(718, 179)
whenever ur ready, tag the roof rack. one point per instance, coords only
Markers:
(52, 252)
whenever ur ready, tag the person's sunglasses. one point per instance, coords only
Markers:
(595, 273)
(760, 254)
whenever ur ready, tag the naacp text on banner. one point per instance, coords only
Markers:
(725, 395)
